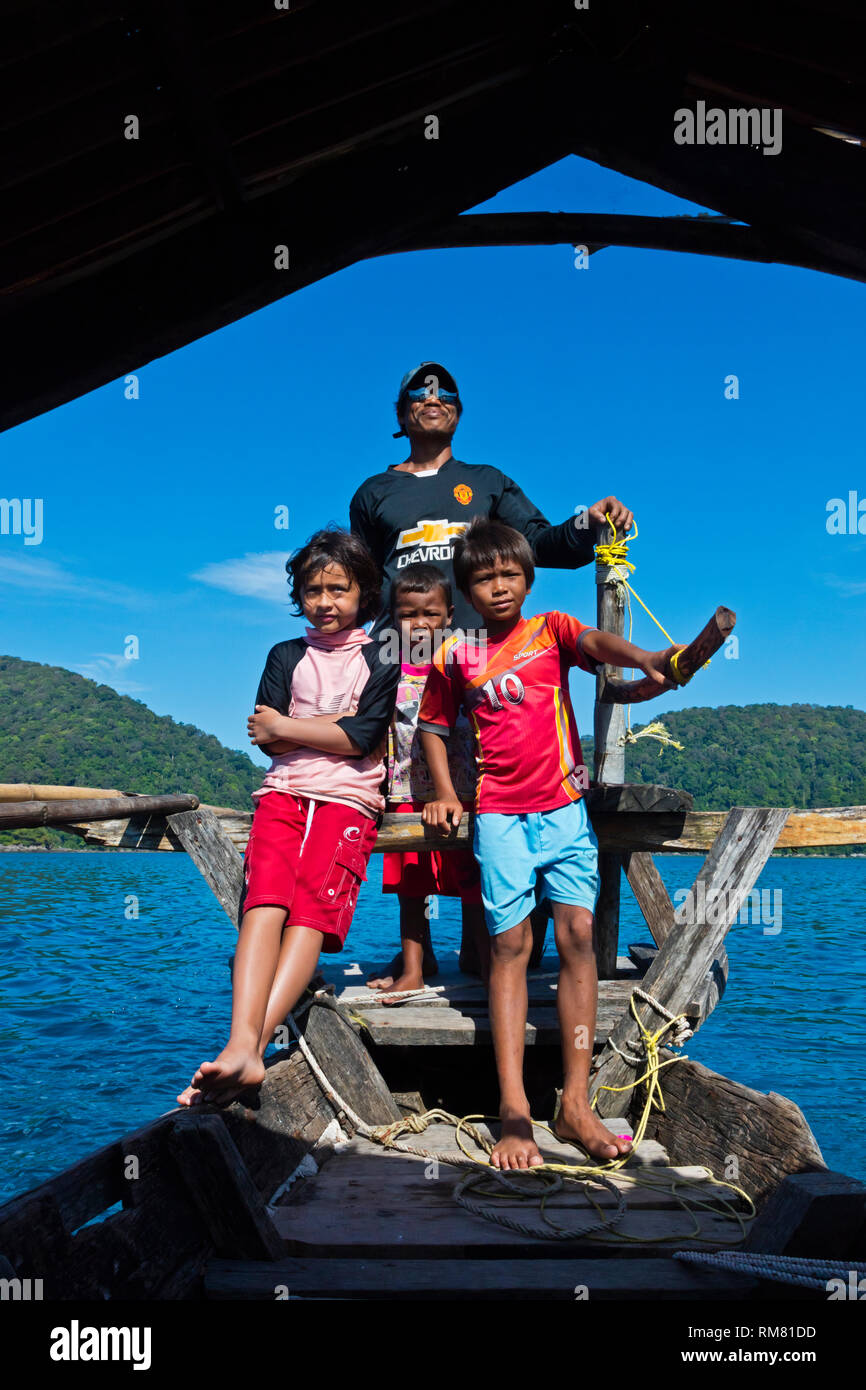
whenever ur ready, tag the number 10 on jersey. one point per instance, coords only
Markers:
(511, 689)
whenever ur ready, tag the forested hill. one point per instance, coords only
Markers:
(756, 755)
(58, 727)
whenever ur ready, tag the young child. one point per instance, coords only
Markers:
(421, 605)
(531, 817)
(322, 712)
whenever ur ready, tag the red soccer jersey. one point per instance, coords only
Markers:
(515, 692)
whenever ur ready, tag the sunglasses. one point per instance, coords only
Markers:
(424, 393)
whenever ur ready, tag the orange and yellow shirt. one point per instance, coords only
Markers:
(515, 693)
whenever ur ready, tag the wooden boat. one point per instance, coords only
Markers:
(304, 1189)
(205, 1205)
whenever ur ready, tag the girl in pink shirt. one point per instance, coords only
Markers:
(322, 713)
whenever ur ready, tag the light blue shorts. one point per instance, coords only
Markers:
(558, 849)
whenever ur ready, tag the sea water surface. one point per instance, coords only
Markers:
(104, 1015)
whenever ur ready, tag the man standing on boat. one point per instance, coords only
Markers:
(414, 510)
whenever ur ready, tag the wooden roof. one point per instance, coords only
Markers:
(262, 126)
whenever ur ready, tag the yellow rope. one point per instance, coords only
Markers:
(614, 555)
(524, 1183)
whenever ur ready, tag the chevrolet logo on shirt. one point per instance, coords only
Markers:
(430, 533)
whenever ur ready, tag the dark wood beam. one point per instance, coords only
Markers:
(195, 102)
(809, 200)
(709, 236)
(92, 328)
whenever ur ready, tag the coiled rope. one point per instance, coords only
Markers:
(484, 1184)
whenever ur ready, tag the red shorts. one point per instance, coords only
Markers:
(450, 873)
(314, 873)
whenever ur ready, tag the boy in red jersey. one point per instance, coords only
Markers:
(531, 819)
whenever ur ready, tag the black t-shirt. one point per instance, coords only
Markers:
(404, 518)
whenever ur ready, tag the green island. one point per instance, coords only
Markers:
(59, 727)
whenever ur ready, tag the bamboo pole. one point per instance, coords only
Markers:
(24, 814)
(31, 791)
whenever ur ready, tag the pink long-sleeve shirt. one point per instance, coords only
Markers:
(332, 674)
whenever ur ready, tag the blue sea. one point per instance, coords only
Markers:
(105, 1014)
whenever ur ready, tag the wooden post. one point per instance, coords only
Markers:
(679, 970)
(214, 855)
(609, 767)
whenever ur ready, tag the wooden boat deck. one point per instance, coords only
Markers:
(266, 1198)
(380, 1224)
(454, 1012)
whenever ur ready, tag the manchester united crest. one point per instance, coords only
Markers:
(463, 493)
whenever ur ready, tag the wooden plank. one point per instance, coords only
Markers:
(813, 1215)
(650, 894)
(405, 1179)
(695, 831)
(405, 1026)
(153, 833)
(349, 976)
(661, 832)
(525, 1279)
(129, 1254)
(440, 1139)
(755, 1139)
(606, 922)
(277, 1125)
(221, 1188)
(472, 998)
(637, 797)
(121, 1171)
(347, 1064)
(376, 1215)
(728, 873)
(707, 995)
(214, 855)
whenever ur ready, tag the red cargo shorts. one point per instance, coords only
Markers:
(311, 862)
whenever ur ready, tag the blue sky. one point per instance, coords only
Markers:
(159, 512)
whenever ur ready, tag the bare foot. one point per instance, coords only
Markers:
(224, 1078)
(577, 1124)
(403, 982)
(385, 980)
(516, 1147)
(392, 974)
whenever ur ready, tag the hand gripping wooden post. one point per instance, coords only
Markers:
(609, 766)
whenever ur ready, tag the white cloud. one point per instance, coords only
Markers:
(110, 669)
(36, 575)
(253, 576)
(848, 588)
